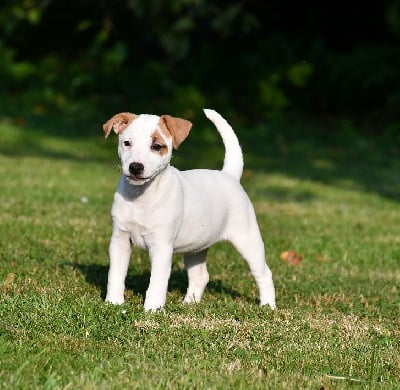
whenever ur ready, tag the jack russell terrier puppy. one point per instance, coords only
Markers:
(163, 210)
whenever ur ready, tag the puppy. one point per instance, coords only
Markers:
(163, 210)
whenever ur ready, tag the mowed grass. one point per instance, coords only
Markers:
(335, 202)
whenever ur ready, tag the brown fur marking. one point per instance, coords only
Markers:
(178, 128)
(118, 123)
(158, 139)
(164, 129)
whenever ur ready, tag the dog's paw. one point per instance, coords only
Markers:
(114, 300)
(193, 297)
(152, 308)
(153, 304)
(267, 298)
(189, 299)
(155, 299)
(271, 305)
(268, 303)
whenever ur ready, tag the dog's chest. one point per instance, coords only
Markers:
(137, 234)
(132, 220)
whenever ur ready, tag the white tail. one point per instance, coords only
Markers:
(233, 162)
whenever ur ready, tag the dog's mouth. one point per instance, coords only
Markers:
(136, 179)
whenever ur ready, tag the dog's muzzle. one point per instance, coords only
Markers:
(135, 173)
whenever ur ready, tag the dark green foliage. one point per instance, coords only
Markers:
(260, 58)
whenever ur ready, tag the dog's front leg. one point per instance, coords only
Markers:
(161, 262)
(120, 253)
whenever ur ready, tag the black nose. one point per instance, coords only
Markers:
(136, 168)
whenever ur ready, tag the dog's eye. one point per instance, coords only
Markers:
(127, 143)
(156, 146)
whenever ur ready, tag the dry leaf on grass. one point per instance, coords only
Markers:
(291, 257)
(321, 258)
(8, 282)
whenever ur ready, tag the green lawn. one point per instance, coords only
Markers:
(333, 197)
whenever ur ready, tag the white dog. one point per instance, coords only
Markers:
(166, 211)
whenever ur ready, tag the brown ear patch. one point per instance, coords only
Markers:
(118, 123)
(176, 128)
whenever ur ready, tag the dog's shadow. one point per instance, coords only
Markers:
(96, 275)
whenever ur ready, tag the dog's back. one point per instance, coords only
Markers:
(213, 203)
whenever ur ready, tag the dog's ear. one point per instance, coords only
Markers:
(118, 123)
(177, 127)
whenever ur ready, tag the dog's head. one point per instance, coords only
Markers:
(146, 142)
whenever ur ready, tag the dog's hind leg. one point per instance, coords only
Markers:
(195, 265)
(249, 244)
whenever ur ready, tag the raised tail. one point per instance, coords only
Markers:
(233, 162)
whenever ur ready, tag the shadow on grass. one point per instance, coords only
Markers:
(51, 141)
(96, 275)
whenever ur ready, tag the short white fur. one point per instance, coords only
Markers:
(181, 212)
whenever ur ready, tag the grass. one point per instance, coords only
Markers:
(331, 197)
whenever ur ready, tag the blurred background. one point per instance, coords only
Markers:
(255, 60)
